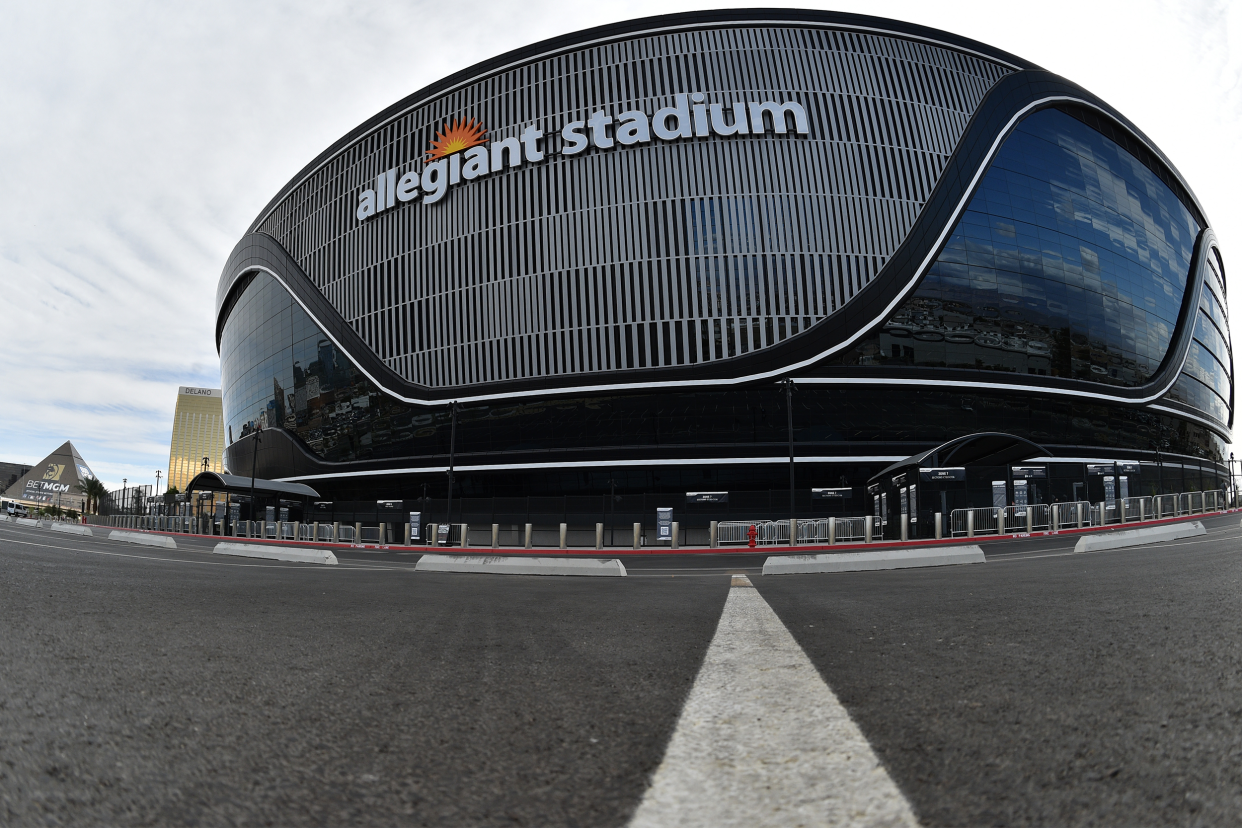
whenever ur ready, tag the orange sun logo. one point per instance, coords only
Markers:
(462, 135)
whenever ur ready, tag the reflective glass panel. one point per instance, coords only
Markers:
(1071, 260)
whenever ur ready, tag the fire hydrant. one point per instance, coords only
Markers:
(752, 534)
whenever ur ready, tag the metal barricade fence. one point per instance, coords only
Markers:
(287, 531)
(325, 532)
(813, 531)
(347, 534)
(1166, 505)
(1137, 508)
(1214, 501)
(851, 529)
(977, 521)
(1067, 514)
(306, 531)
(734, 531)
(772, 532)
(370, 534)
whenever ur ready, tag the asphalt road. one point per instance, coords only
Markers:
(144, 687)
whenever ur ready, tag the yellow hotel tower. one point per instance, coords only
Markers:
(198, 432)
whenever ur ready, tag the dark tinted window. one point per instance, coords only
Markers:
(1071, 260)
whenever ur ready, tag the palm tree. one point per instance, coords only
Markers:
(94, 490)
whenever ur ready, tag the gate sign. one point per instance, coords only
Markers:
(1030, 472)
(416, 525)
(664, 524)
(830, 494)
(707, 497)
(946, 475)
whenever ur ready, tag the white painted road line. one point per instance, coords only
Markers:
(762, 740)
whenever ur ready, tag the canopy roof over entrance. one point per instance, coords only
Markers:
(216, 482)
(988, 448)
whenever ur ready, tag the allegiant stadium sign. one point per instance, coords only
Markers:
(461, 151)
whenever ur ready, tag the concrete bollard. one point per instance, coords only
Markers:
(939, 525)
(564, 532)
(406, 534)
(970, 523)
(599, 536)
(1103, 512)
(832, 530)
(905, 527)
(433, 534)
(713, 534)
(676, 532)
(1078, 506)
(529, 533)
(868, 528)
(638, 535)
(1030, 520)
(793, 532)
(465, 534)
(1142, 510)
(358, 533)
(336, 531)
(495, 536)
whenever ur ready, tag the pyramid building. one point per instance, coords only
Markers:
(53, 481)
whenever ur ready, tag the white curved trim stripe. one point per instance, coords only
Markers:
(594, 464)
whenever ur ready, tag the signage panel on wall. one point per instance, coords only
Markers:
(945, 475)
(1030, 472)
(664, 524)
(707, 497)
(831, 494)
(1019, 494)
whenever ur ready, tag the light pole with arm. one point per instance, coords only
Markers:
(254, 458)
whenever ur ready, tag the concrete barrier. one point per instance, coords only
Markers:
(73, 529)
(276, 553)
(1139, 537)
(880, 559)
(143, 539)
(26, 522)
(517, 565)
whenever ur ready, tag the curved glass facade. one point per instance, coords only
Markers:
(1071, 260)
(1206, 381)
(283, 372)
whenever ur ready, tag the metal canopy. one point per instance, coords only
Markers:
(213, 481)
(989, 448)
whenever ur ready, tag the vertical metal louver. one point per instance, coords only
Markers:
(646, 256)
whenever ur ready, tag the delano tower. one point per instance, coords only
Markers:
(198, 432)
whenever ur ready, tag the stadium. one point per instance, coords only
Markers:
(743, 264)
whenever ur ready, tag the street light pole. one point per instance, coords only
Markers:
(789, 390)
(452, 450)
(254, 457)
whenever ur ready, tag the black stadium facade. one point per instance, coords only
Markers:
(582, 272)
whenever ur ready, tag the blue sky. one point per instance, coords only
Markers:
(141, 139)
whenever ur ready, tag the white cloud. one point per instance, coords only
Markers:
(141, 139)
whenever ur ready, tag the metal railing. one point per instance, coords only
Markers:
(347, 534)
(772, 532)
(1066, 515)
(372, 534)
(976, 521)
